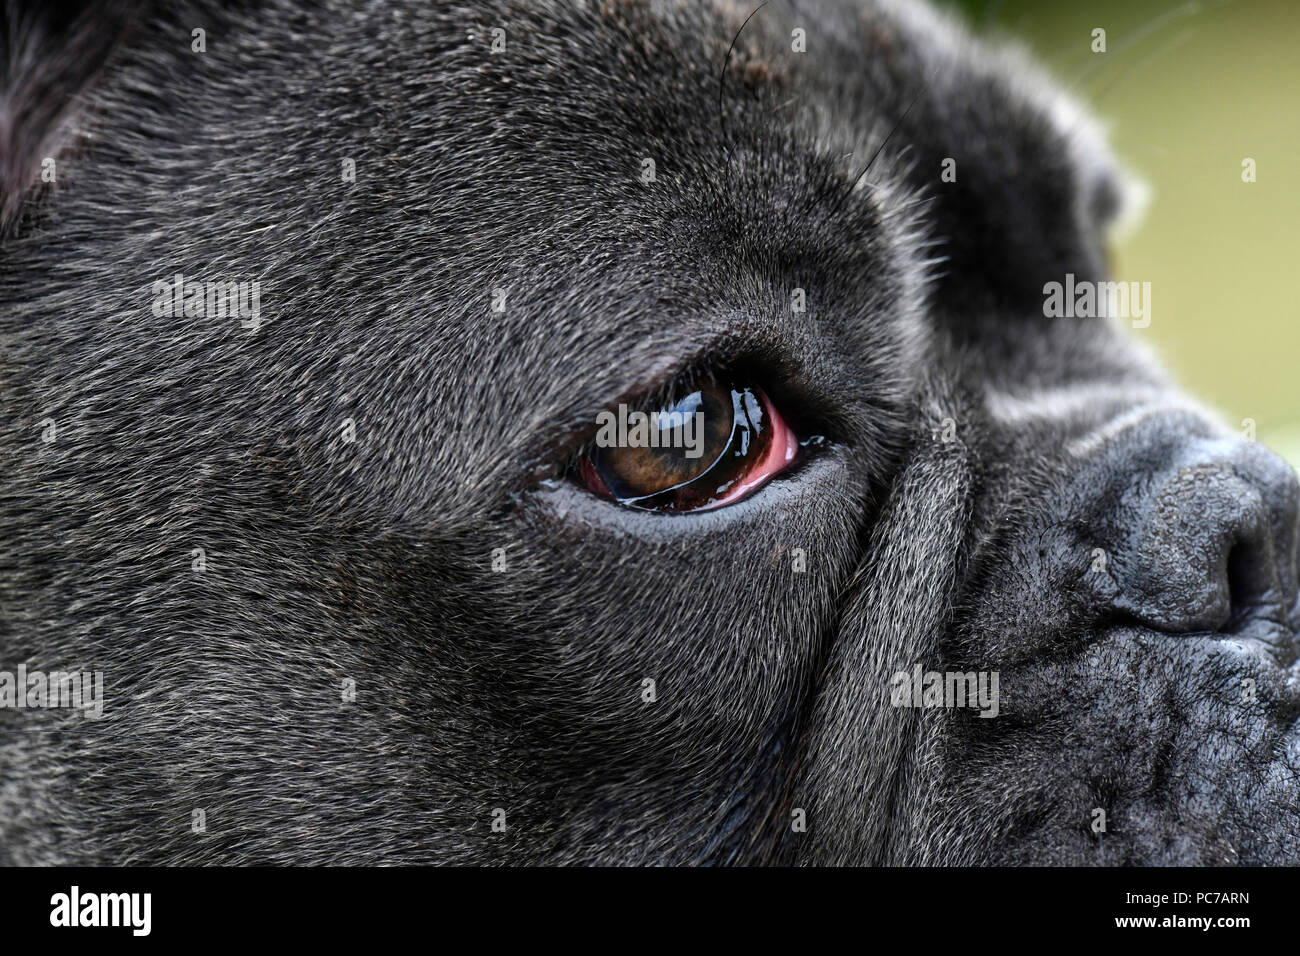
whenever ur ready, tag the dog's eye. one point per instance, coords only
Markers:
(715, 446)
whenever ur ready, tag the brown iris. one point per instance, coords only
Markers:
(711, 448)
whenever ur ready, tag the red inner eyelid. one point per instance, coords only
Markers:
(780, 452)
(591, 477)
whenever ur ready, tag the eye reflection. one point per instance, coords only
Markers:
(712, 448)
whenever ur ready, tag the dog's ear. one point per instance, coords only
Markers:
(50, 53)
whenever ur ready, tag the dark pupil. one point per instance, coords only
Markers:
(705, 442)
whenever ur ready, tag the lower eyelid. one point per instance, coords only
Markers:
(571, 507)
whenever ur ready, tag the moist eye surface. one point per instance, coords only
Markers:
(711, 448)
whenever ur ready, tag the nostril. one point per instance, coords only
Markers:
(1246, 578)
(1258, 614)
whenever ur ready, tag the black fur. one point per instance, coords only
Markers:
(950, 517)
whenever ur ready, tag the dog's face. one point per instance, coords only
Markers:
(362, 588)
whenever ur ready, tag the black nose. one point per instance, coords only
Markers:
(1212, 533)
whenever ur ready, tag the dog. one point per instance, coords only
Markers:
(310, 315)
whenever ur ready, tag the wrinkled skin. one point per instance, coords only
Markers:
(977, 457)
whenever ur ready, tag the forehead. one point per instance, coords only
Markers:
(716, 129)
(665, 163)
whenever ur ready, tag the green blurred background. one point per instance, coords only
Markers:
(1188, 91)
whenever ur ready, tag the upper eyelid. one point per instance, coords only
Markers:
(794, 365)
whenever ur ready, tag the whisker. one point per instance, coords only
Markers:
(1130, 68)
(1141, 33)
(885, 142)
(722, 77)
